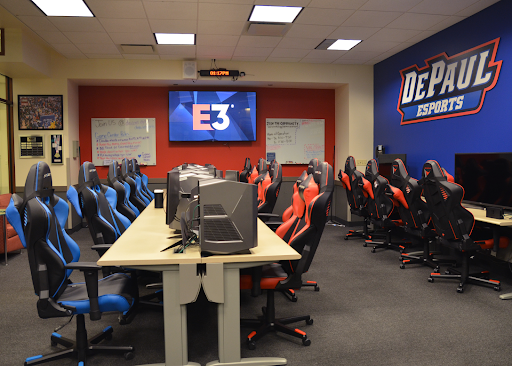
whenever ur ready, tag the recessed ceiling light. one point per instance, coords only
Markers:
(276, 14)
(175, 38)
(63, 8)
(343, 44)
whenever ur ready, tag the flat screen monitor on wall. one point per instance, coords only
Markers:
(212, 116)
(486, 178)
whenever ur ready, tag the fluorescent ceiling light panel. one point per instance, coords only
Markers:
(343, 44)
(63, 8)
(175, 38)
(274, 14)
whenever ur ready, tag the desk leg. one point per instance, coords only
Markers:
(229, 326)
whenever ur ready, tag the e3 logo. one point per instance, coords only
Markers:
(197, 117)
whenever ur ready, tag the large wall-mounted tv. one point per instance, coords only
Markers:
(486, 178)
(212, 116)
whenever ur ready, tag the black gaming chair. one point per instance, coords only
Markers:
(454, 225)
(138, 182)
(143, 180)
(271, 191)
(356, 188)
(246, 171)
(381, 209)
(262, 171)
(52, 256)
(97, 202)
(114, 180)
(287, 274)
(407, 192)
(135, 197)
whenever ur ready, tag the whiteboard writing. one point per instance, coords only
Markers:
(119, 138)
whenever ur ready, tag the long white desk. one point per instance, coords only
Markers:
(140, 248)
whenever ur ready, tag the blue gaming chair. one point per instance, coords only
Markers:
(143, 178)
(135, 196)
(124, 206)
(52, 256)
(138, 181)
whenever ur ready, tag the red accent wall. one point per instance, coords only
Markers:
(153, 102)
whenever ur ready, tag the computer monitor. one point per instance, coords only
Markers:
(172, 198)
(486, 178)
(232, 175)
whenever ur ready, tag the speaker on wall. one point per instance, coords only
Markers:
(189, 70)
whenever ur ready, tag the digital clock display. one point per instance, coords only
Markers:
(234, 73)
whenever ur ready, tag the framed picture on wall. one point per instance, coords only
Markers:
(40, 112)
(56, 143)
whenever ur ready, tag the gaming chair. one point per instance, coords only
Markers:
(124, 206)
(52, 256)
(287, 274)
(97, 202)
(246, 171)
(454, 226)
(356, 188)
(138, 181)
(270, 191)
(262, 171)
(135, 196)
(143, 178)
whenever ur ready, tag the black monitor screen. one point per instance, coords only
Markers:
(485, 177)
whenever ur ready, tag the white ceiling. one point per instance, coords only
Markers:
(385, 26)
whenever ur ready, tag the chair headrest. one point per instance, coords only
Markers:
(308, 189)
(350, 165)
(126, 167)
(313, 164)
(135, 166)
(262, 166)
(276, 172)
(88, 173)
(432, 171)
(324, 177)
(399, 169)
(372, 170)
(39, 178)
(247, 165)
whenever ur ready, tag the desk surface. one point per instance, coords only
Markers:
(479, 215)
(142, 242)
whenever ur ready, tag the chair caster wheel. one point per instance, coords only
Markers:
(293, 298)
(251, 345)
(306, 342)
(129, 356)
(309, 321)
(460, 290)
(447, 272)
(373, 250)
(345, 238)
(365, 245)
(436, 270)
(430, 279)
(497, 288)
(402, 266)
(53, 343)
(317, 288)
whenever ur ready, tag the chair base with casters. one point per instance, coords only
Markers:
(81, 347)
(365, 233)
(291, 294)
(387, 243)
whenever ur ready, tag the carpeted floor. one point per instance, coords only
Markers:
(368, 312)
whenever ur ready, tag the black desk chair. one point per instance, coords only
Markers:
(52, 256)
(287, 274)
(246, 171)
(115, 181)
(454, 226)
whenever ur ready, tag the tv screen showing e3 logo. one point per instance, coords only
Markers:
(212, 116)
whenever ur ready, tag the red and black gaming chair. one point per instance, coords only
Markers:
(287, 274)
(381, 208)
(357, 189)
(270, 191)
(39, 219)
(262, 170)
(454, 225)
(246, 171)
(407, 192)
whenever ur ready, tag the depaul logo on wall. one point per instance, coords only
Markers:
(449, 86)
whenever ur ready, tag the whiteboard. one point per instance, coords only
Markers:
(295, 141)
(119, 138)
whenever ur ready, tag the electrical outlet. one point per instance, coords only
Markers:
(361, 162)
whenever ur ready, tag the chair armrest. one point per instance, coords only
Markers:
(90, 270)
(46, 306)
(273, 225)
(267, 216)
(101, 248)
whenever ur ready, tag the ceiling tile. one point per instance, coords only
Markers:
(342, 61)
(325, 54)
(393, 35)
(377, 19)
(88, 37)
(353, 33)
(360, 55)
(423, 35)
(316, 61)
(54, 37)
(375, 46)
(224, 53)
(66, 48)
(74, 24)
(227, 12)
(102, 55)
(476, 7)
(117, 8)
(107, 49)
(258, 41)
(132, 38)
(73, 55)
(390, 5)
(249, 58)
(302, 3)
(38, 23)
(442, 7)
(140, 57)
(289, 52)
(283, 59)
(252, 51)
(185, 50)
(215, 40)
(17, 7)
(228, 1)
(171, 10)
(173, 26)
(448, 22)
(323, 16)
(310, 31)
(125, 25)
(417, 21)
(337, 4)
(220, 27)
(301, 43)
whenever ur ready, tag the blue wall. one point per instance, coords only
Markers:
(490, 130)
